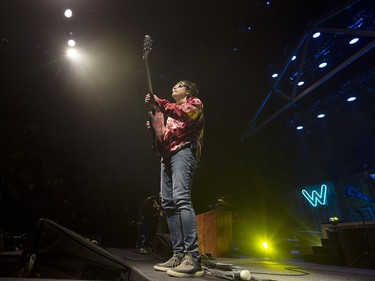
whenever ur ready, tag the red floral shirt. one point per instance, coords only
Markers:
(185, 123)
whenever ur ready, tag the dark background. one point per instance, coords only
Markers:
(74, 147)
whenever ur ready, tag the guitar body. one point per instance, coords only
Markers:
(156, 118)
(157, 130)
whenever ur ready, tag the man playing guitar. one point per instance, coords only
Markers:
(181, 143)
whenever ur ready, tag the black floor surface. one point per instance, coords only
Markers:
(141, 266)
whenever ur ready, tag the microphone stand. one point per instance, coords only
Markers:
(141, 239)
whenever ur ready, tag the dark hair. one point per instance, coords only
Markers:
(192, 88)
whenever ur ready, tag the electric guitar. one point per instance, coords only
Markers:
(156, 117)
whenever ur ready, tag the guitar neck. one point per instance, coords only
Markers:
(148, 76)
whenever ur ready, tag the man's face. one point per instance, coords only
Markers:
(179, 91)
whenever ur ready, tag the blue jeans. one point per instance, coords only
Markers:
(176, 180)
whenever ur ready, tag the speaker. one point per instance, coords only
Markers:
(57, 252)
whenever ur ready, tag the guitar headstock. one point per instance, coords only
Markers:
(147, 43)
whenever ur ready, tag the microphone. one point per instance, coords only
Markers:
(226, 271)
(240, 274)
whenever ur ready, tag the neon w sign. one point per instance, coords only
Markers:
(314, 198)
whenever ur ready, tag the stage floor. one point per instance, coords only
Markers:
(141, 266)
(260, 269)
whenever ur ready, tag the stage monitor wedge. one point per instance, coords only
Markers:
(61, 253)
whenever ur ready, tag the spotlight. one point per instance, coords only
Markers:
(72, 53)
(71, 43)
(353, 41)
(275, 75)
(68, 13)
(321, 115)
(370, 173)
(265, 245)
(351, 98)
(316, 34)
(299, 127)
(300, 83)
(322, 65)
(294, 57)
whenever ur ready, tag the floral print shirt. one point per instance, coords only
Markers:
(185, 124)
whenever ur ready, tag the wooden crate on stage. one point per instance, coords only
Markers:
(215, 233)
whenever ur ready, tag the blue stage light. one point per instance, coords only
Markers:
(353, 41)
(316, 34)
(322, 65)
